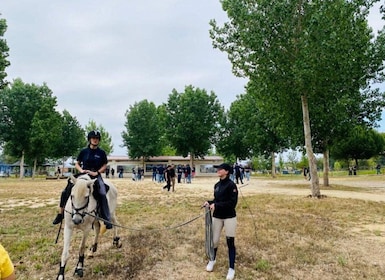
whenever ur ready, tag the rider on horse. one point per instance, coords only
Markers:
(91, 160)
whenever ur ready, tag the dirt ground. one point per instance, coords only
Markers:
(371, 246)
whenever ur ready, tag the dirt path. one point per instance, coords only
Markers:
(370, 188)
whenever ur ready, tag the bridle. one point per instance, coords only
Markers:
(76, 211)
(79, 210)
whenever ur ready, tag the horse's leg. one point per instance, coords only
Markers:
(116, 242)
(80, 264)
(65, 253)
(94, 246)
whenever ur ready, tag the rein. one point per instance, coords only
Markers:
(149, 230)
(208, 220)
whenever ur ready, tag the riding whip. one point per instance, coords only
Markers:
(209, 244)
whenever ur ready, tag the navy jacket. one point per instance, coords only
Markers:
(92, 159)
(225, 199)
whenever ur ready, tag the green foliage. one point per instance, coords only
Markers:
(3, 54)
(71, 138)
(192, 121)
(360, 143)
(309, 62)
(233, 138)
(20, 104)
(143, 133)
(106, 141)
(45, 129)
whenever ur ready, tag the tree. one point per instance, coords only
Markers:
(192, 121)
(105, 141)
(301, 55)
(45, 128)
(142, 136)
(360, 143)
(232, 138)
(249, 133)
(4, 63)
(70, 139)
(19, 103)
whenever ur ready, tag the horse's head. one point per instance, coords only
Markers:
(80, 197)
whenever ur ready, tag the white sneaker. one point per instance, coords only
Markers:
(230, 274)
(210, 266)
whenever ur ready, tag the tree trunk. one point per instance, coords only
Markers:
(21, 175)
(315, 189)
(273, 165)
(326, 168)
(34, 168)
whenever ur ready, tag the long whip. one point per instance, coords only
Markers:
(209, 244)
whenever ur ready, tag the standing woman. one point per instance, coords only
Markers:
(224, 215)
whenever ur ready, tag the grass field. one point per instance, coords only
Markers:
(279, 236)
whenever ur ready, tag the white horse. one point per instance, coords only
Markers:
(81, 213)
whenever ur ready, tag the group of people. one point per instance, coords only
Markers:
(239, 173)
(93, 161)
(137, 174)
(183, 173)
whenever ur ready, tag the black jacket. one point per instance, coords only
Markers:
(225, 199)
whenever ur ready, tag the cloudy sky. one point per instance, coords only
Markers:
(100, 57)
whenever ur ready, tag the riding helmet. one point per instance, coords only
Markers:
(94, 134)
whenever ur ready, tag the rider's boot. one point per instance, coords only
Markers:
(59, 217)
(63, 200)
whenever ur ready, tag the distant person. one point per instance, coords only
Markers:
(224, 215)
(247, 172)
(7, 270)
(238, 173)
(107, 173)
(112, 172)
(179, 171)
(172, 177)
(167, 176)
(154, 172)
(133, 174)
(188, 174)
(378, 168)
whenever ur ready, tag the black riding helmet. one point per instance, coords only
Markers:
(94, 134)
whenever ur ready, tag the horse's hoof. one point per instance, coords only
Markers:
(116, 242)
(94, 248)
(79, 272)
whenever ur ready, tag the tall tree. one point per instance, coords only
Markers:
(302, 54)
(19, 102)
(70, 139)
(232, 138)
(4, 63)
(143, 133)
(105, 141)
(45, 128)
(192, 121)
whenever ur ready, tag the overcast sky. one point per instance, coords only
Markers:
(100, 57)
